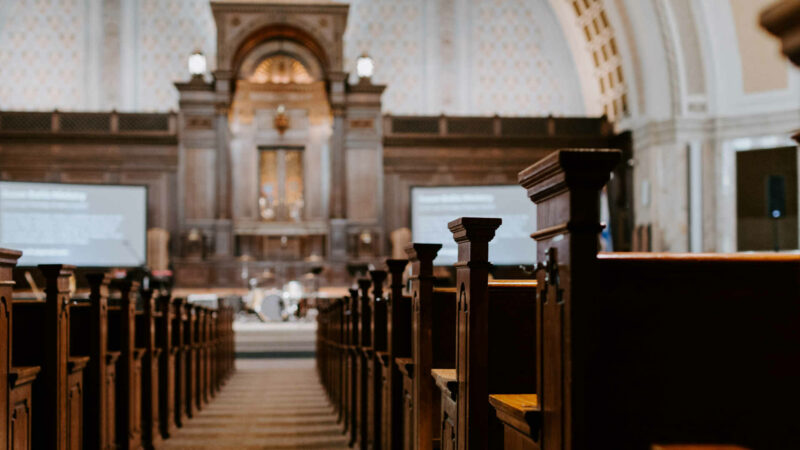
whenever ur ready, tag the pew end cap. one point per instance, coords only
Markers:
(520, 411)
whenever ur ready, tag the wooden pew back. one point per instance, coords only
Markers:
(641, 350)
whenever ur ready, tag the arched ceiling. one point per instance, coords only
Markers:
(656, 58)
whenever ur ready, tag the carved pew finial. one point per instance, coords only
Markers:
(396, 268)
(378, 277)
(566, 189)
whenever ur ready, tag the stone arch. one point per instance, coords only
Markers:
(301, 44)
(274, 47)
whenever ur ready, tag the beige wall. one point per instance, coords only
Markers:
(763, 66)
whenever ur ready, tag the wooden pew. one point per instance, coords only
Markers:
(378, 328)
(122, 320)
(190, 348)
(398, 345)
(89, 337)
(496, 339)
(347, 373)
(433, 318)
(16, 399)
(354, 370)
(66, 389)
(41, 337)
(167, 365)
(181, 378)
(146, 338)
(365, 357)
(202, 366)
(652, 350)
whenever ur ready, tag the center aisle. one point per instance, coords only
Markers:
(266, 404)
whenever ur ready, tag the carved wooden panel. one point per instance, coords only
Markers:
(408, 414)
(75, 411)
(199, 191)
(110, 383)
(20, 425)
(363, 169)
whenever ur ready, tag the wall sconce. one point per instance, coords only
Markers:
(365, 67)
(281, 121)
(197, 64)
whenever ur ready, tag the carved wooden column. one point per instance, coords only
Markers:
(53, 408)
(421, 257)
(398, 345)
(366, 356)
(8, 260)
(180, 361)
(472, 352)
(378, 331)
(566, 189)
(96, 428)
(150, 417)
(129, 430)
(167, 365)
(355, 369)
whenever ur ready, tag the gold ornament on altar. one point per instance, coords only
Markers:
(281, 121)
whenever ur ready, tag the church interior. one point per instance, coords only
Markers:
(400, 224)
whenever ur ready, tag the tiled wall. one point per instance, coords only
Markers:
(477, 57)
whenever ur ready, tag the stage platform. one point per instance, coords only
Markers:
(275, 339)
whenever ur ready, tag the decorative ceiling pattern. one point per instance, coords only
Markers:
(592, 19)
(436, 56)
(169, 31)
(520, 63)
(392, 33)
(42, 54)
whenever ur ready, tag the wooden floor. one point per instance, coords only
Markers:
(267, 404)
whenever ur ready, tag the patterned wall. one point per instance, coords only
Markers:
(44, 69)
(168, 32)
(436, 56)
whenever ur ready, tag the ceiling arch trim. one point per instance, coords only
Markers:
(597, 53)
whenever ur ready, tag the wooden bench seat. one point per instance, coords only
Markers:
(447, 382)
(520, 415)
(20, 384)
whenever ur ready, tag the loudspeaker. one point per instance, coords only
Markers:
(776, 196)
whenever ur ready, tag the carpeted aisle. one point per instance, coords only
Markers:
(267, 404)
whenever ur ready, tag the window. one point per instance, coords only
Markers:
(280, 194)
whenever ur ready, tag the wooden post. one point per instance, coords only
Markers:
(565, 187)
(97, 429)
(167, 363)
(191, 359)
(378, 338)
(398, 345)
(421, 257)
(150, 378)
(355, 368)
(129, 429)
(52, 407)
(365, 357)
(472, 355)
(8, 260)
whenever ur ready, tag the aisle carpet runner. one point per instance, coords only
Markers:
(266, 404)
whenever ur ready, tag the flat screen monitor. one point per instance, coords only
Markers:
(78, 224)
(432, 208)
